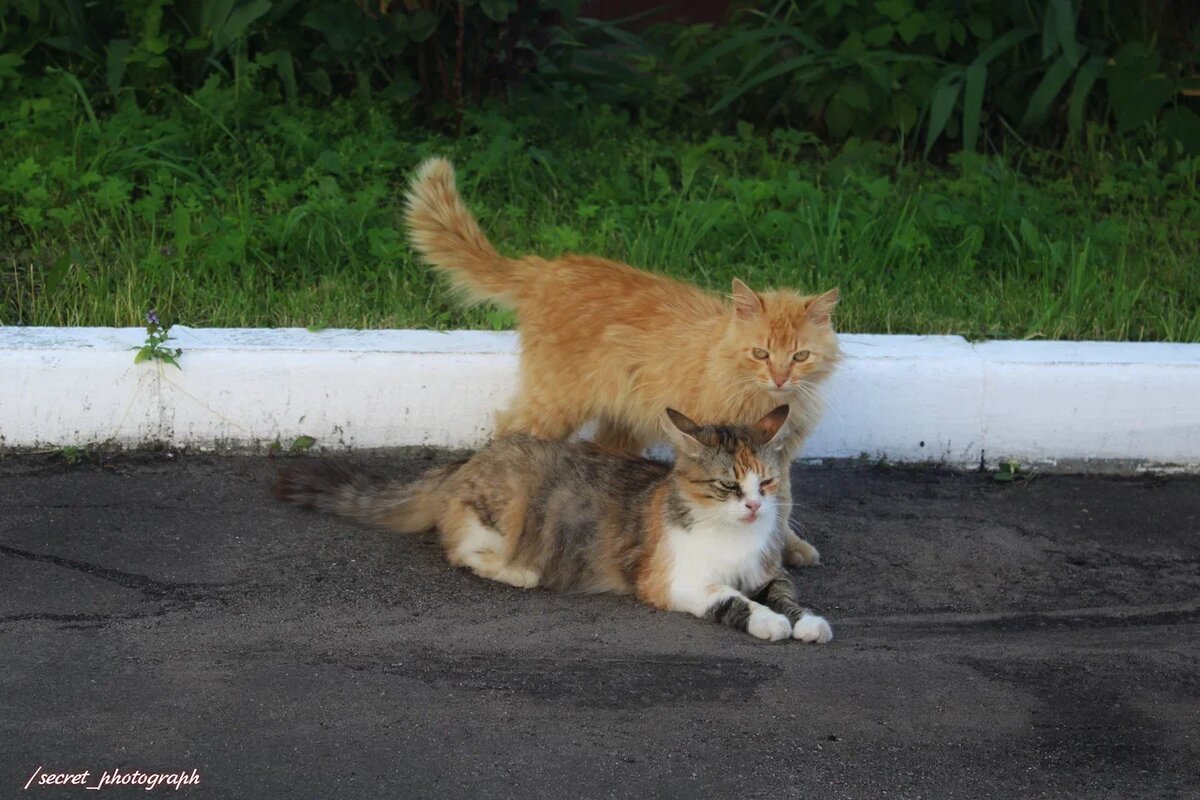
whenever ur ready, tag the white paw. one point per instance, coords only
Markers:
(811, 628)
(521, 577)
(528, 578)
(766, 624)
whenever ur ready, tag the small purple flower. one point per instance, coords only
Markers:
(152, 317)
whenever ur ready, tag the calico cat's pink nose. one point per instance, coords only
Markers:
(754, 505)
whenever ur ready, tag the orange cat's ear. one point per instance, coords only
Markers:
(681, 431)
(746, 304)
(768, 429)
(820, 308)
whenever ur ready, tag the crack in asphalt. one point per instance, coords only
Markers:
(1072, 618)
(129, 580)
(172, 596)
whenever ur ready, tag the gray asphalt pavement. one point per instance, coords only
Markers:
(1023, 640)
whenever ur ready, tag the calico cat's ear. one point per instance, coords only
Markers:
(746, 304)
(768, 431)
(820, 308)
(681, 431)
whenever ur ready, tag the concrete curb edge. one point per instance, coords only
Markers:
(901, 398)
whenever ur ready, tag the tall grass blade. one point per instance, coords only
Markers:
(975, 80)
(1084, 81)
(945, 95)
(791, 65)
(1042, 99)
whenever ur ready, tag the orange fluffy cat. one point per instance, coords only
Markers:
(605, 341)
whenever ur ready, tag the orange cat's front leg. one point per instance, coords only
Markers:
(619, 437)
(796, 551)
(799, 553)
(529, 414)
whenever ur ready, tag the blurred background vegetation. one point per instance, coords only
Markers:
(987, 167)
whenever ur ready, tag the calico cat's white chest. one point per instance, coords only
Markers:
(721, 553)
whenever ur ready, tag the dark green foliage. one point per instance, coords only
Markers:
(929, 73)
(436, 51)
(938, 70)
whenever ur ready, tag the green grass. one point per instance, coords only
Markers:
(228, 213)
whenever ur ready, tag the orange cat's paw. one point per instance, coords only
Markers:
(799, 553)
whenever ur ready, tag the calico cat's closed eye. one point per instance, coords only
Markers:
(760, 354)
(767, 483)
(801, 355)
(729, 486)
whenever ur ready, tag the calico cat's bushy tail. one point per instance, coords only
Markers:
(336, 489)
(447, 235)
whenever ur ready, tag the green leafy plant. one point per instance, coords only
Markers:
(155, 347)
(299, 446)
(73, 455)
(1010, 472)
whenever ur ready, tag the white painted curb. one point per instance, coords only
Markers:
(903, 398)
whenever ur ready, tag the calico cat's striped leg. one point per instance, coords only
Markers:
(780, 595)
(727, 606)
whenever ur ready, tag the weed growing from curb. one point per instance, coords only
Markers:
(156, 336)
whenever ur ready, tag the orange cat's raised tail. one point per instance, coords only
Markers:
(447, 235)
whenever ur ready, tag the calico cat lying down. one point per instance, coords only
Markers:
(701, 537)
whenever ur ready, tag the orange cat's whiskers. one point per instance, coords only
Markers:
(812, 394)
(745, 388)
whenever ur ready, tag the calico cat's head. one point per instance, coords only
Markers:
(730, 473)
(781, 341)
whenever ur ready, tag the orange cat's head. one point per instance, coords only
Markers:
(781, 341)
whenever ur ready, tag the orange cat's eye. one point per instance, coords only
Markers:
(801, 355)
(760, 354)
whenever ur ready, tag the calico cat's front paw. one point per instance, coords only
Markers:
(811, 628)
(766, 624)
